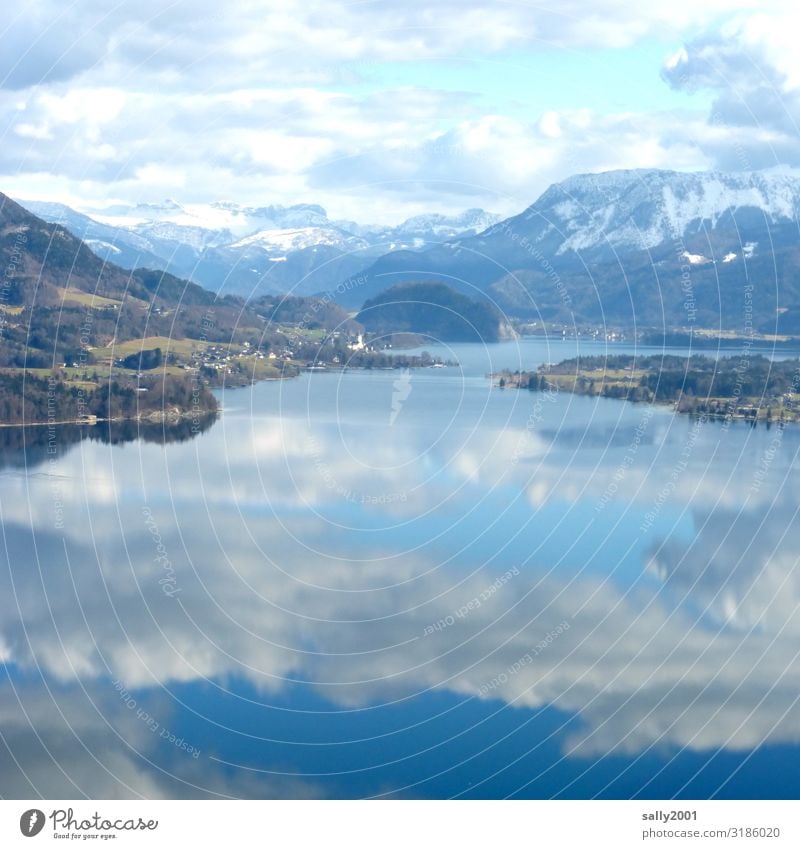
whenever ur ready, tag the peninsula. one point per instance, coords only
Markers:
(749, 387)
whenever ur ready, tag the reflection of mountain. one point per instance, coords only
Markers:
(28, 447)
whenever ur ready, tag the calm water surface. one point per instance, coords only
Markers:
(406, 585)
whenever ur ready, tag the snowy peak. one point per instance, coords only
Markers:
(218, 216)
(645, 208)
(297, 228)
(223, 223)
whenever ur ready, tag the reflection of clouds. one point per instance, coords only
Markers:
(720, 469)
(636, 671)
(314, 465)
(73, 742)
(259, 598)
(58, 745)
(741, 567)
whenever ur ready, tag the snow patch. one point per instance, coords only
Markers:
(296, 239)
(99, 244)
(695, 259)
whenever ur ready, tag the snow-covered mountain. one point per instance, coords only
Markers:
(242, 249)
(221, 216)
(630, 247)
(646, 208)
(284, 228)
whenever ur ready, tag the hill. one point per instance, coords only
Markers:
(82, 337)
(434, 310)
(59, 300)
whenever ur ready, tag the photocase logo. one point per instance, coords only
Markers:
(31, 822)
(401, 389)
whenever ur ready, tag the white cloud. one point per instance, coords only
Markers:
(256, 103)
(752, 67)
(256, 40)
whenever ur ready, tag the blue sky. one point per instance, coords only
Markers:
(382, 110)
(527, 83)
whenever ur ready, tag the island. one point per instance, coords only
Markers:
(749, 387)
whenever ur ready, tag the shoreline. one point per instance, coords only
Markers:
(148, 419)
(665, 404)
(156, 417)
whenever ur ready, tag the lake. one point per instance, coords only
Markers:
(405, 584)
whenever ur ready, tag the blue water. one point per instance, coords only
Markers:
(406, 585)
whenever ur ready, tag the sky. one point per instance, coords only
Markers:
(382, 110)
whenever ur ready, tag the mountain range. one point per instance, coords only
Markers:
(636, 248)
(235, 249)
